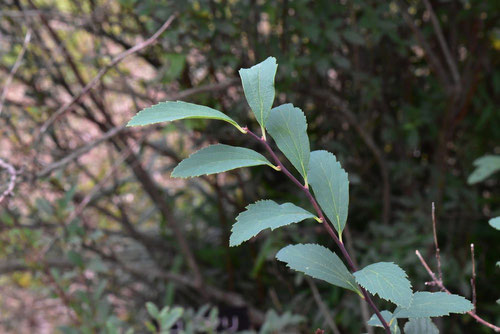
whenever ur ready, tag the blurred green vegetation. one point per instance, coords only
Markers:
(405, 93)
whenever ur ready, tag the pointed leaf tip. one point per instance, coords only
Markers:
(217, 159)
(331, 187)
(258, 86)
(387, 280)
(263, 215)
(176, 110)
(288, 127)
(318, 262)
(427, 304)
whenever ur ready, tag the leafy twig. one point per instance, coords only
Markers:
(439, 281)
(325, 224)
(441, 286)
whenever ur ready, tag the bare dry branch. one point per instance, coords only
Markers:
(102, 72)
(438, 252)
(444, 46)
(12, 179)
(473, 279)
(13, 71)
(444, 289)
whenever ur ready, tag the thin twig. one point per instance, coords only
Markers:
(80, 151)
(322, 307)
(13, 71)
(473, 279)
(86, 200)
(326, 224)
(442, 42)
(438, 254)
(433, 59)
(444, 289)
(364, 308)
(102, 72)
(12, 179)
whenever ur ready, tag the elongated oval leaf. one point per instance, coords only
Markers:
(287, 125)
(331, 187)
(262, 215)
(389, 318)
(485, 167)
(258, 85)
(420, 326)
(437, 304)
(217, 159)
(175, 110)
(495, 223)
(387, 280)
(318, 262)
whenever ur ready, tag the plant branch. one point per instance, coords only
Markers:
(441, 286)
(325, 223)
(12, 179)
(322, 307)
(473, 279)
(102, 72)
(442, 42)
(14, 70)
(438, 256)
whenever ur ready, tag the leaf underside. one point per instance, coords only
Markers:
(389, 318)
(318, 262)
(217, 159)
(258, 86)
(263, 215)
(175, 110)
(387, 280)
(287, 125)
(437, 304)
(420, 326)
(331, 187)
(495, 223)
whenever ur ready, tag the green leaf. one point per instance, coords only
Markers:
(287, 125)
(353, 37)
(331, 187)
(437, 304)
(75, 258)
(171, 111)
(420, 326)
(374, 320)
(169, 318)
(276, 323)
(318, 262)
(258, 85)
(485, 167)
(152, 310)
(217, 159)
(262, 215)
(495, 223)
(389, 318)
(387, 280)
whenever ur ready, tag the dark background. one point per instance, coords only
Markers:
(404, 93)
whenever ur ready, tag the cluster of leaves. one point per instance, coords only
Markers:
(287, 125)
(363, 76)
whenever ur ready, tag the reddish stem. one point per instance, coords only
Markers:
(326, 224)
(441, 286)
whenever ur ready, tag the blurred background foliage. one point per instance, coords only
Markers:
(404, 93)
